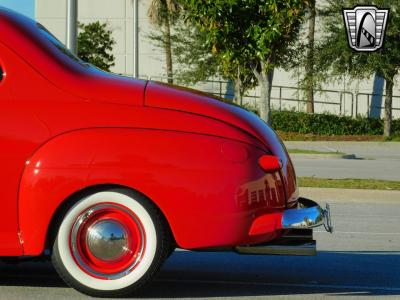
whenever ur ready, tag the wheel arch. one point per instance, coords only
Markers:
(65, 205)
(54, 178)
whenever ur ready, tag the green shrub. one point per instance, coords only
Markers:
(95, 45)
(328, 124)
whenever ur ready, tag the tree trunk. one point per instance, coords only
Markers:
(309, 68)
(387, 129)
(238, 89)
(242, 91)
(265, 78)
(168, 50)
(238, 92)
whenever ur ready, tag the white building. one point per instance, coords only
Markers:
(346, 96)
(118, 14)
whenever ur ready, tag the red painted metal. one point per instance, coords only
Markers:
(65, 126)
(266, 224)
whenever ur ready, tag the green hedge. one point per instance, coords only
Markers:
(328, 124)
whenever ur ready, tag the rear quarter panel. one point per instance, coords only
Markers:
(202, 184)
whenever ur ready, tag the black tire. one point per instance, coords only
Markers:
(75, 275)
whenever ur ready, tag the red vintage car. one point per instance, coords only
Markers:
(107, 175)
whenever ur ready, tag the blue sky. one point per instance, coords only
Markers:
(26, 7)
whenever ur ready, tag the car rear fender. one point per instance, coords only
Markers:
(196, 181)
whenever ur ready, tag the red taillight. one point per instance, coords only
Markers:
(269, 163)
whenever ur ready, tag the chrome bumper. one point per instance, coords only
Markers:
(308, 215)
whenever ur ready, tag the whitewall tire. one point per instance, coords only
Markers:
(110, 243)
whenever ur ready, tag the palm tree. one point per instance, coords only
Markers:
(309, 67)
(163, 13)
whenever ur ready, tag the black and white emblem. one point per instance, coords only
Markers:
(365, 27)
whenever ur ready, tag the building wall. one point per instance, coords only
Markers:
(118, 13)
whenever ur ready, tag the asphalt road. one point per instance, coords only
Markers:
(382, 169)
(375, 160)
(360, 260)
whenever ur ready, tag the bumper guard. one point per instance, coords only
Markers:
(308, 215)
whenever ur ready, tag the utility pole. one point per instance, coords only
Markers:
(72, 25)
(135, 38)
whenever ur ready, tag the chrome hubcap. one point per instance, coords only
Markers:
(107, 240)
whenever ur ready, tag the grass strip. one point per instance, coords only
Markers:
(349, 183)
(305, 151)
(294, 136)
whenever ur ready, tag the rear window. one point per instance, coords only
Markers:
(60, 46)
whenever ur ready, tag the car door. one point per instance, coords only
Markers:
(21, 133)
